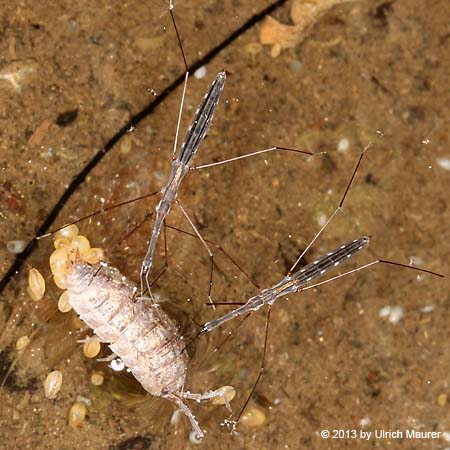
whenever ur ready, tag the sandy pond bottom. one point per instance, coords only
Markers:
(369, 352)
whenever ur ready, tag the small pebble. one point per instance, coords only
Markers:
(296, 65)
(444, 163)
(446, 436)
(22, 343)
(393, 313)
(321, 219)
(63, 302)
(52, 384)
(442, 399)
(364, 422)
(253, 417)
(343, 145)
(416, 261)
(97, 378)
(200, 72)
(77, 414)
(16, 246)
(85, 400)
(36, 284)
(91, 348)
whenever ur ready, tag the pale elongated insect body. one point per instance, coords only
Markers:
(137, 330)
(140, 333)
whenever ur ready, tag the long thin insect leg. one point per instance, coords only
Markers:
(258, 152)
(175, 143)
(211, 256)
(172, 15)
(365, 266)
(148, 216)
(262, 368)
(230, 333)
(100, 211)
(166, 257)
(336, 211)
(222, 250)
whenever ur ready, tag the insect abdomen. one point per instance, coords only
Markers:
(140, 333)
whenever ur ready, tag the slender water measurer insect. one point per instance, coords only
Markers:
(297, 281)
(180, 166)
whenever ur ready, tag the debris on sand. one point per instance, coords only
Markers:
(303, 14)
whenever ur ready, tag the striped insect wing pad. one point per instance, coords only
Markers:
(202, 119)
(328, 262)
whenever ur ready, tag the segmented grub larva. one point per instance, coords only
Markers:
(138, 331)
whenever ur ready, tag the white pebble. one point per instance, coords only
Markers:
(200, 72)
(415, 261)
(321, 219)
(16, 247)
(296, 65)
(343, 145)
(396, 314)
(384, 312)
(444, 163)
(427, 309)
(393, 313)
(85, 400)
(364, 422)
